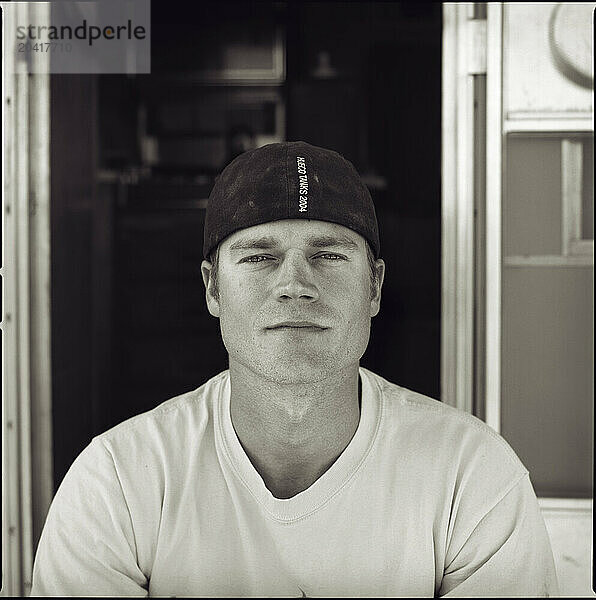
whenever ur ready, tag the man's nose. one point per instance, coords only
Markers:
(296, 279)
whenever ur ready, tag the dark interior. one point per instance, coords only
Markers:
(134, 159)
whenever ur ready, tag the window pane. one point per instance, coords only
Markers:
(547, 385)
(532, 202)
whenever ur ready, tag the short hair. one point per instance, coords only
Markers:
(214, 260)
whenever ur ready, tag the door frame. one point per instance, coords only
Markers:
(26, 349)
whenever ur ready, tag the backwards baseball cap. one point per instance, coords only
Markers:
(289, 180)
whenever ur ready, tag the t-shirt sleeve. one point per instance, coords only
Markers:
(507, 553)
(87, 547)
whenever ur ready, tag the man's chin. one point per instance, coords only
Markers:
(294, 371)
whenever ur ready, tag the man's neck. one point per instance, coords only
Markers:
(293, 433)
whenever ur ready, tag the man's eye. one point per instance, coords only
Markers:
(330, 256)
(256, 259)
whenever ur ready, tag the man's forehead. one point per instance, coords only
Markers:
(294, 231)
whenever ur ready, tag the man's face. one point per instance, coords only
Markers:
(294, 299)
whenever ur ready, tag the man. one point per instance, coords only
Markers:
(295, 472)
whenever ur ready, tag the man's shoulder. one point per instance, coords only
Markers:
(441, 429)
(189, 412)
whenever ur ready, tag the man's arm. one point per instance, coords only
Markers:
(87, 547)
(507, 553)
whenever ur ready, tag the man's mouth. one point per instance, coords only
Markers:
(297, 325)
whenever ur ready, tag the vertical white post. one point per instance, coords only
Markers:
(457, 322)
(42, 467)
(494, 142)
(11, 536)
(15, 326)
(465, 211)
(448, 201)
(22, 315)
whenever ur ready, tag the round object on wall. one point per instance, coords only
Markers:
(570, 41)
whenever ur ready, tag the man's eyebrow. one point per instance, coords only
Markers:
(325, 241)
(260, 243)
(315, 241)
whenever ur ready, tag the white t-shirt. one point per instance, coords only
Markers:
(425, 500)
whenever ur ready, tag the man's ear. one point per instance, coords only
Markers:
(210, 296)
(375, 301)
